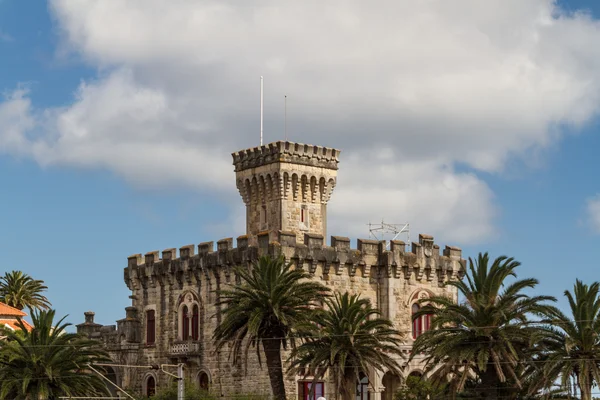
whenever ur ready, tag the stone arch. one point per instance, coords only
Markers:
(391, 383)
(203, 379)
(248, 191)
(416, 373)
(295, 187)
(187, 305)
(262, 190)
(423, 322)
(322, 194)
(112, 376)
(254, 186)
(304, 181)
(277, 182)
(418, 294)
(285, 181)
(269, 184)
(150, 384)
(313, 189)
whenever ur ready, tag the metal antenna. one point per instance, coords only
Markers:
(261, 110)
(285, 118)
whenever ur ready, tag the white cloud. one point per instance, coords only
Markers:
(408, 90)
(15, 121)
(593, 213)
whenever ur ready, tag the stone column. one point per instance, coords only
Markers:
(376, 384)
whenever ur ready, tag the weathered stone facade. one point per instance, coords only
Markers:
(175, 291)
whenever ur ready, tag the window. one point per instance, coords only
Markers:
(304, 390)
(188, 318)
(203, 381)
(150, 327)
(195, 322)
(420, 324)
(264, 214)
(150, 386)
(185, 334)
(304, 217)
(362, 388)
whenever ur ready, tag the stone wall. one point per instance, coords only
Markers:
(280, 180)
(392, 279)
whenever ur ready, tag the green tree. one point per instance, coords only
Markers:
(573, 344)
(19, 290)
(489, 333)
(349, 338)
(48, 362)
(271, 301)
(418, 388)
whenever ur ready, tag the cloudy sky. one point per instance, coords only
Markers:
(474, 121)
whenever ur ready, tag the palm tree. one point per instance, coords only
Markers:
(271, 301)
(573, 350)
(48, 362)
(351, 338)
(488, 334)
(19, 290)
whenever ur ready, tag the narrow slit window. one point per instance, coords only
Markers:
(150, 327)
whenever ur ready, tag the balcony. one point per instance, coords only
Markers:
(185, 348)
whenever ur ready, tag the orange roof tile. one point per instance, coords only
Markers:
(13, 324)
(5, 309)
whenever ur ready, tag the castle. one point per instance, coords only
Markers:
(285, 187)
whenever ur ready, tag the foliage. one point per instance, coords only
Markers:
(19, 290)
(48, 362)
(271, 301)
(350, 338)
(417, 388)
(194, 393)
(487, 335)
(573, 342)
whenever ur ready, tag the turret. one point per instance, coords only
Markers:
(286, 187)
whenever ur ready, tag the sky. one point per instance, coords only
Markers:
(475, 122)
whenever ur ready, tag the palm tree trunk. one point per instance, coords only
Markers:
(272, 349)
(489, 384)
(348, 386)
(585, 387)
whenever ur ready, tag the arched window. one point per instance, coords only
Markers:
(362, 388)
(203, 381)
(185, 334)
(417, 325)
(188, 317)
(420, 324)
(150, 327)
(150, 386)
(195, 320)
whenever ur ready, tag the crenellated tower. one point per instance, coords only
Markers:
(286, 187)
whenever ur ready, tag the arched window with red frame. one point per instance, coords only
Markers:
(427, 321)
(195, 320)
(417, 323)
(185, 326)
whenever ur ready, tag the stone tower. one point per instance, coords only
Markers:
(286, 187)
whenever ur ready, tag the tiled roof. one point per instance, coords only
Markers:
(12, 323)
(5, 309)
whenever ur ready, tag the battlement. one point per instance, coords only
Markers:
(370, 259)
(286, 152)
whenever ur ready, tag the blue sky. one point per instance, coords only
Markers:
(163, 115)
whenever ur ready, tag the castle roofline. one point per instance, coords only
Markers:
(286, 152)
